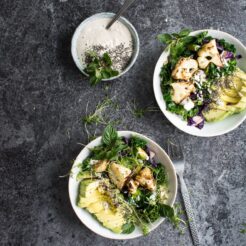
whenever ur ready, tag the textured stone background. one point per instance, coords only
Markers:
(43, 98)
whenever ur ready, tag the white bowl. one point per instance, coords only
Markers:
(108, 15)
(209, 129)
(87, 218)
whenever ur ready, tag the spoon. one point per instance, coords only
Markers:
(124, 7)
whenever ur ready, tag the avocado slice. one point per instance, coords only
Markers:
(230, 92)
(213, 115)
(232, 98)
(98, 206)
(236, 108)
(242, 92)
(87, 187)
(84, 175)
(111, 220)
(240, 106)
(84, 202)
(229, 99)
(240, 74)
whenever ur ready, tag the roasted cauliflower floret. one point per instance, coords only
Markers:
(132, 186)
(182, 90)
(184, 68)
(209, 53)
(101, 166)
(118, 174)
(146, 179)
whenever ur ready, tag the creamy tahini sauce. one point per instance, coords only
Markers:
(117, 41)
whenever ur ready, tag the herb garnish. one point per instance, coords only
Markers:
(109, 135)
(99, 67)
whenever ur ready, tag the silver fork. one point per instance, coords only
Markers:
(176, 154)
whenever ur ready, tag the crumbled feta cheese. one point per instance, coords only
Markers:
(199, 77)
(188, 104)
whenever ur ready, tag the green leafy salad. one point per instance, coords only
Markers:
(123, 186)
(201, 80)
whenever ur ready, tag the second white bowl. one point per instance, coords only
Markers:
(209, 129)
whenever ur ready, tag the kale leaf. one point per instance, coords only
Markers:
(138, 142)
(227, 46)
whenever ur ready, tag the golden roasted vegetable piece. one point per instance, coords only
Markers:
(132, 186)
(118, 174)
(185, 68)
(101, 166)
(209, 53)
(181, 90)
(146, 179)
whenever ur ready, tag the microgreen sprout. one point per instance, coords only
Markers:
(139, 112)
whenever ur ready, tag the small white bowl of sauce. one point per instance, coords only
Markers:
(120, 41)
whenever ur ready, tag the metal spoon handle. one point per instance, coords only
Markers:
(124, 7)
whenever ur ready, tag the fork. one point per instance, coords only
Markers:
(176, 154)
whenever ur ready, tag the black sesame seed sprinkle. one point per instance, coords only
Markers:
(120, 55)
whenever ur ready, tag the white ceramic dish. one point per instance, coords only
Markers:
(87, 218)
(209, 129)
(123, 20)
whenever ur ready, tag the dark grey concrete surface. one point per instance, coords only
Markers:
(43, 98)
